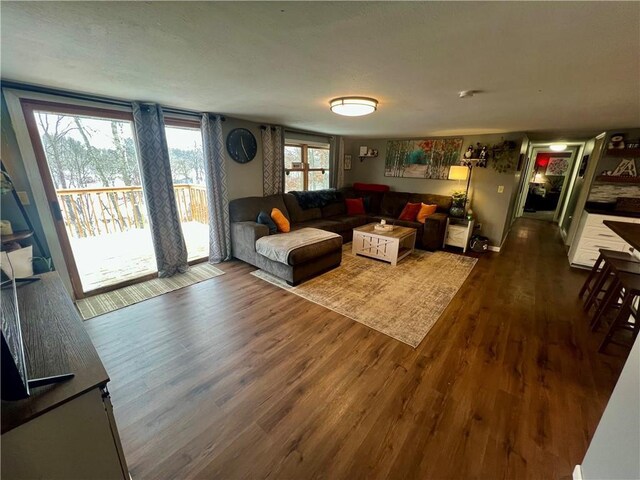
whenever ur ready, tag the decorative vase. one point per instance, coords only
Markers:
(457, 207)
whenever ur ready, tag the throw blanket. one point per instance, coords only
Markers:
(278, 247)
(316, 199)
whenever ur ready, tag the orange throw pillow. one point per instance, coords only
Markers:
(280, 220)
(425, 211)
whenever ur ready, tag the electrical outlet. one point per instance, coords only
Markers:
(500, 188)
(24, 198)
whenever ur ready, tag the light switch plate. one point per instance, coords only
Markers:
(500, 188)
(24, 198)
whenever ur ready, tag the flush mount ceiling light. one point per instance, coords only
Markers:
(558, 147)
(353, 106)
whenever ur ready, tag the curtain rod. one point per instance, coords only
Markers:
(307, 132)
(93, 98)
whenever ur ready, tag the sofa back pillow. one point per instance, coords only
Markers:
(334, 209)
(280, 220)
(425, 211)
(393, 203)
(354, 206)
(410, 212)
(265, 219)
(296, 213)
(247, 209)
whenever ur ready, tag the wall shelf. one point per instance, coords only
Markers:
(16, 236)
(623, 152)
(612, 179)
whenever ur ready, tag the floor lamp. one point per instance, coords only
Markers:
(459, 172)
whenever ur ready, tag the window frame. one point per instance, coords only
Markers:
(304, 148)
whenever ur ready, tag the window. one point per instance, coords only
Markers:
(306, 167)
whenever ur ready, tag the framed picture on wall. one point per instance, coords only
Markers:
(347, 162)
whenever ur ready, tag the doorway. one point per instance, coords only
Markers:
(88, 164)
(549, 178)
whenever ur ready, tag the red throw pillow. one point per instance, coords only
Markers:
(354, 206)
(410, 212)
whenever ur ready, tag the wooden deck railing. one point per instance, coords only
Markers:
(90, 212)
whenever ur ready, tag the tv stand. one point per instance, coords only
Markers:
(68, 429)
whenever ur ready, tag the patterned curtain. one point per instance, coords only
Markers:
(336, 169)
(272, 160)
(217, 197)
(157, 184)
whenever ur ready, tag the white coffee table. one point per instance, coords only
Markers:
(387, 246)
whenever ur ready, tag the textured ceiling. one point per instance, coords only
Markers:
(542, 66)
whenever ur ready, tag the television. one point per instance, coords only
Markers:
(15, 382)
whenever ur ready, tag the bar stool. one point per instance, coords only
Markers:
(613, 291)
(600, 263)
(629, 285)
(601, 278)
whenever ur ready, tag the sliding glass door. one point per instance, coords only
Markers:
(89, 166)
(184, 140)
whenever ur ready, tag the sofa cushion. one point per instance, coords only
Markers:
(322, 224)
(282, 247)
(247, 209)
(442, 201)
(410, 212)
(334, 209)
(350, 221)
(355, 206)
(265, 219)
(308, 253)
(425, 211)
(297, 213)
(393, 203)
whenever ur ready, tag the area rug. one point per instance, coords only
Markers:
(403, 302)
(108, 302)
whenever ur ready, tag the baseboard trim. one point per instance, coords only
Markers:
(494, 249)
(577, 472)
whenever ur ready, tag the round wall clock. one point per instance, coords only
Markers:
(241, 145)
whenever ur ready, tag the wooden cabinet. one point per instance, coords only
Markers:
(458, 233)
(592, 235)
(67, 430)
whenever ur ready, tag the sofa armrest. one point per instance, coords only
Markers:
(434, 229)
(243, 239)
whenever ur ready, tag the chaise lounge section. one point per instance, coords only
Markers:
(301, 263)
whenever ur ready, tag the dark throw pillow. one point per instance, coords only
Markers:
(265, 219)
(354, 206)
(410, 212)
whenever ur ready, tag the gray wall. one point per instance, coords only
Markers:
(12, 160)
(244, 180)
(490, 207)
(613, 452)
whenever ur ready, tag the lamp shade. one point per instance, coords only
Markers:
(458, 173)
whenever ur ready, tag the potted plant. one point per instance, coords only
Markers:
(458, 204)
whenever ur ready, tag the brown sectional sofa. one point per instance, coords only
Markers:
(308, 261)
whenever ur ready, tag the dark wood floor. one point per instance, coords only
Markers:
(235, 378)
